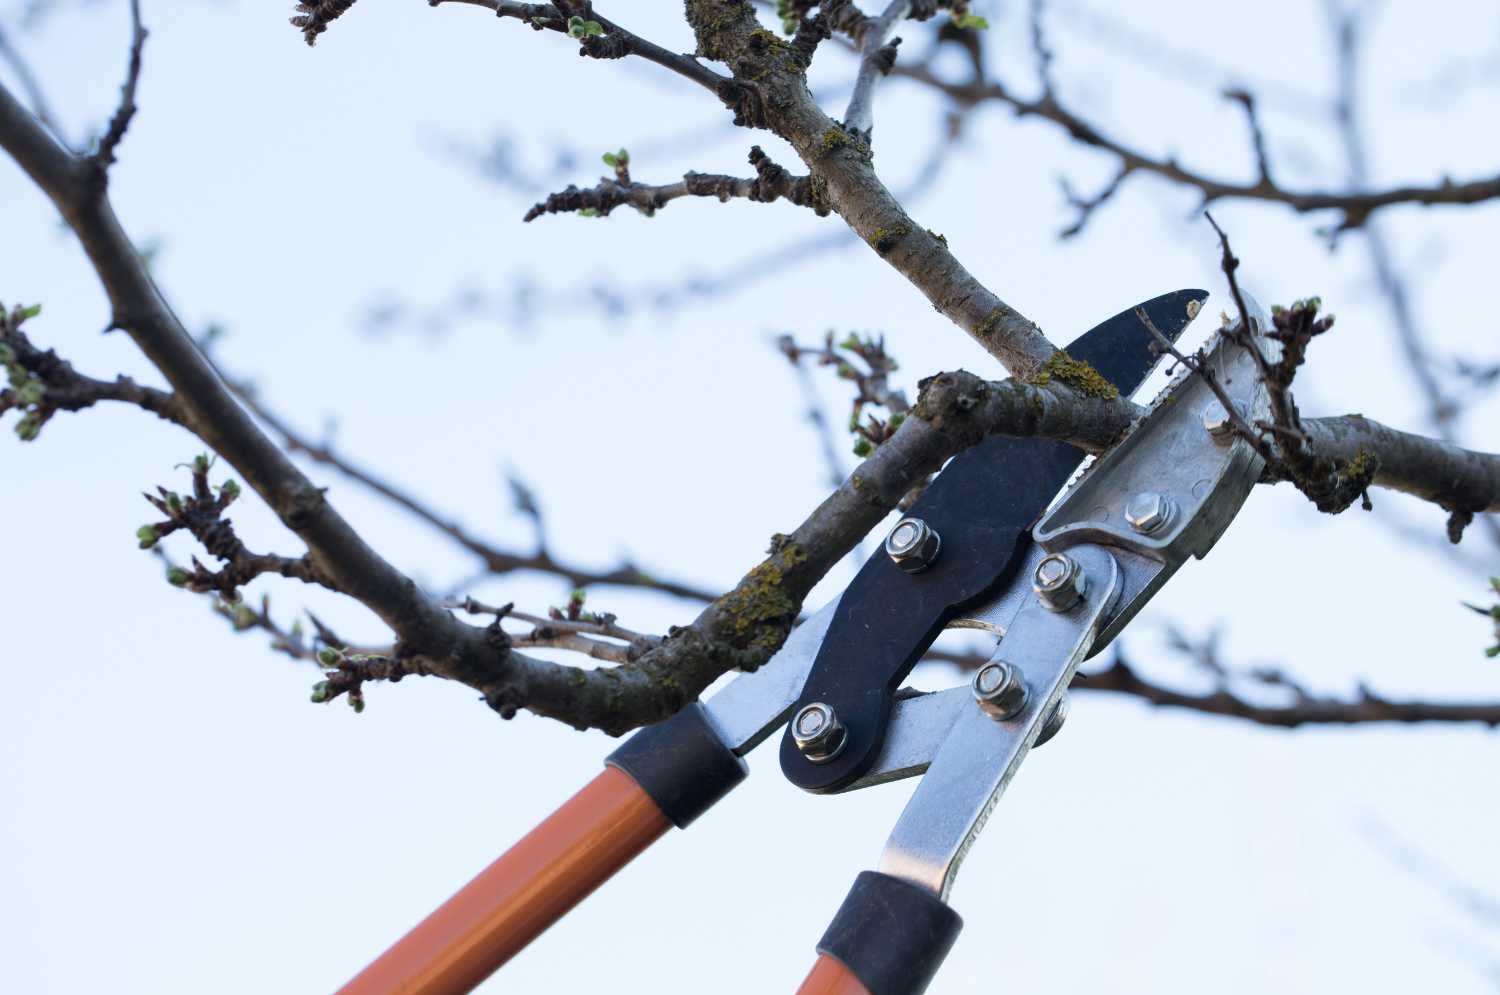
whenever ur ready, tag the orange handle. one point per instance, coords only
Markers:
(493, 917)
(831, 977)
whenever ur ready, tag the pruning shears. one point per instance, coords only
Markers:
(987, 548)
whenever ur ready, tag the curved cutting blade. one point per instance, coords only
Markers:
(983, 505)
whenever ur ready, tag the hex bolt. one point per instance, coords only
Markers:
(818, 732)
(999, 689)
(913, 545)
(1058, 581)
(1054, 720)
(1149, 512)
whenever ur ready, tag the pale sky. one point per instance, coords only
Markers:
(175, 816)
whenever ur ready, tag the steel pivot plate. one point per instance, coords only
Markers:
(982, 505)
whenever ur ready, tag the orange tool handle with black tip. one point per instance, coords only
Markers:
(889, 938)
(665, 775)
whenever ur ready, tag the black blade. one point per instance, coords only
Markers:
(983, 505)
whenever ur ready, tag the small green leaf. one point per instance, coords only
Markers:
(897, 419)
(147, 536)
(320, 692)
(177, 577)
(971, 22)
(30, 393)
(28, 313)
(579, 28)
(590, 212)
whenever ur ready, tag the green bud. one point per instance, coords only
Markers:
(897, 420)
(590, 212)
(30, 393)
(329, 657)
(28, 428)
(320, 692)
(579, 28)
(357, 703)
(174, 501)
(972, 22)
(863, 447)
(229, 490)
(177, 577)
(202, 462)
(244, 618)
(1492, 652)
(147, 535)
(7, 355)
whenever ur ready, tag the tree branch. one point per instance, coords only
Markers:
(1355, 206)
(104, 156)
(876, 60)
(770, 184)
(496, 560)
(1306, 709)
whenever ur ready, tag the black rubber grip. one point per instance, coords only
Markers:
(891, 934)
(682, 764)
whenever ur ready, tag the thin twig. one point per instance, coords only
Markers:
(876, 60)
(104, 156)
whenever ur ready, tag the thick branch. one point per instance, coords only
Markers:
(205, 404)
(771, 92)
(1433, 470)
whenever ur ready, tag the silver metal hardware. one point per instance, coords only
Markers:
(818, 732)
(913, 545)
(753, 706)
(1149, 512)
(1058, 582)
(999, 689)
(1216, 421)
(968, 769)
(1164, 453)
(1053, 723)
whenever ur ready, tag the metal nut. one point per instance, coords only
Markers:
(1150, 512)
(1054, 720)
(1058, 582)
(913, 545)
(818, 732)
(999, 690)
